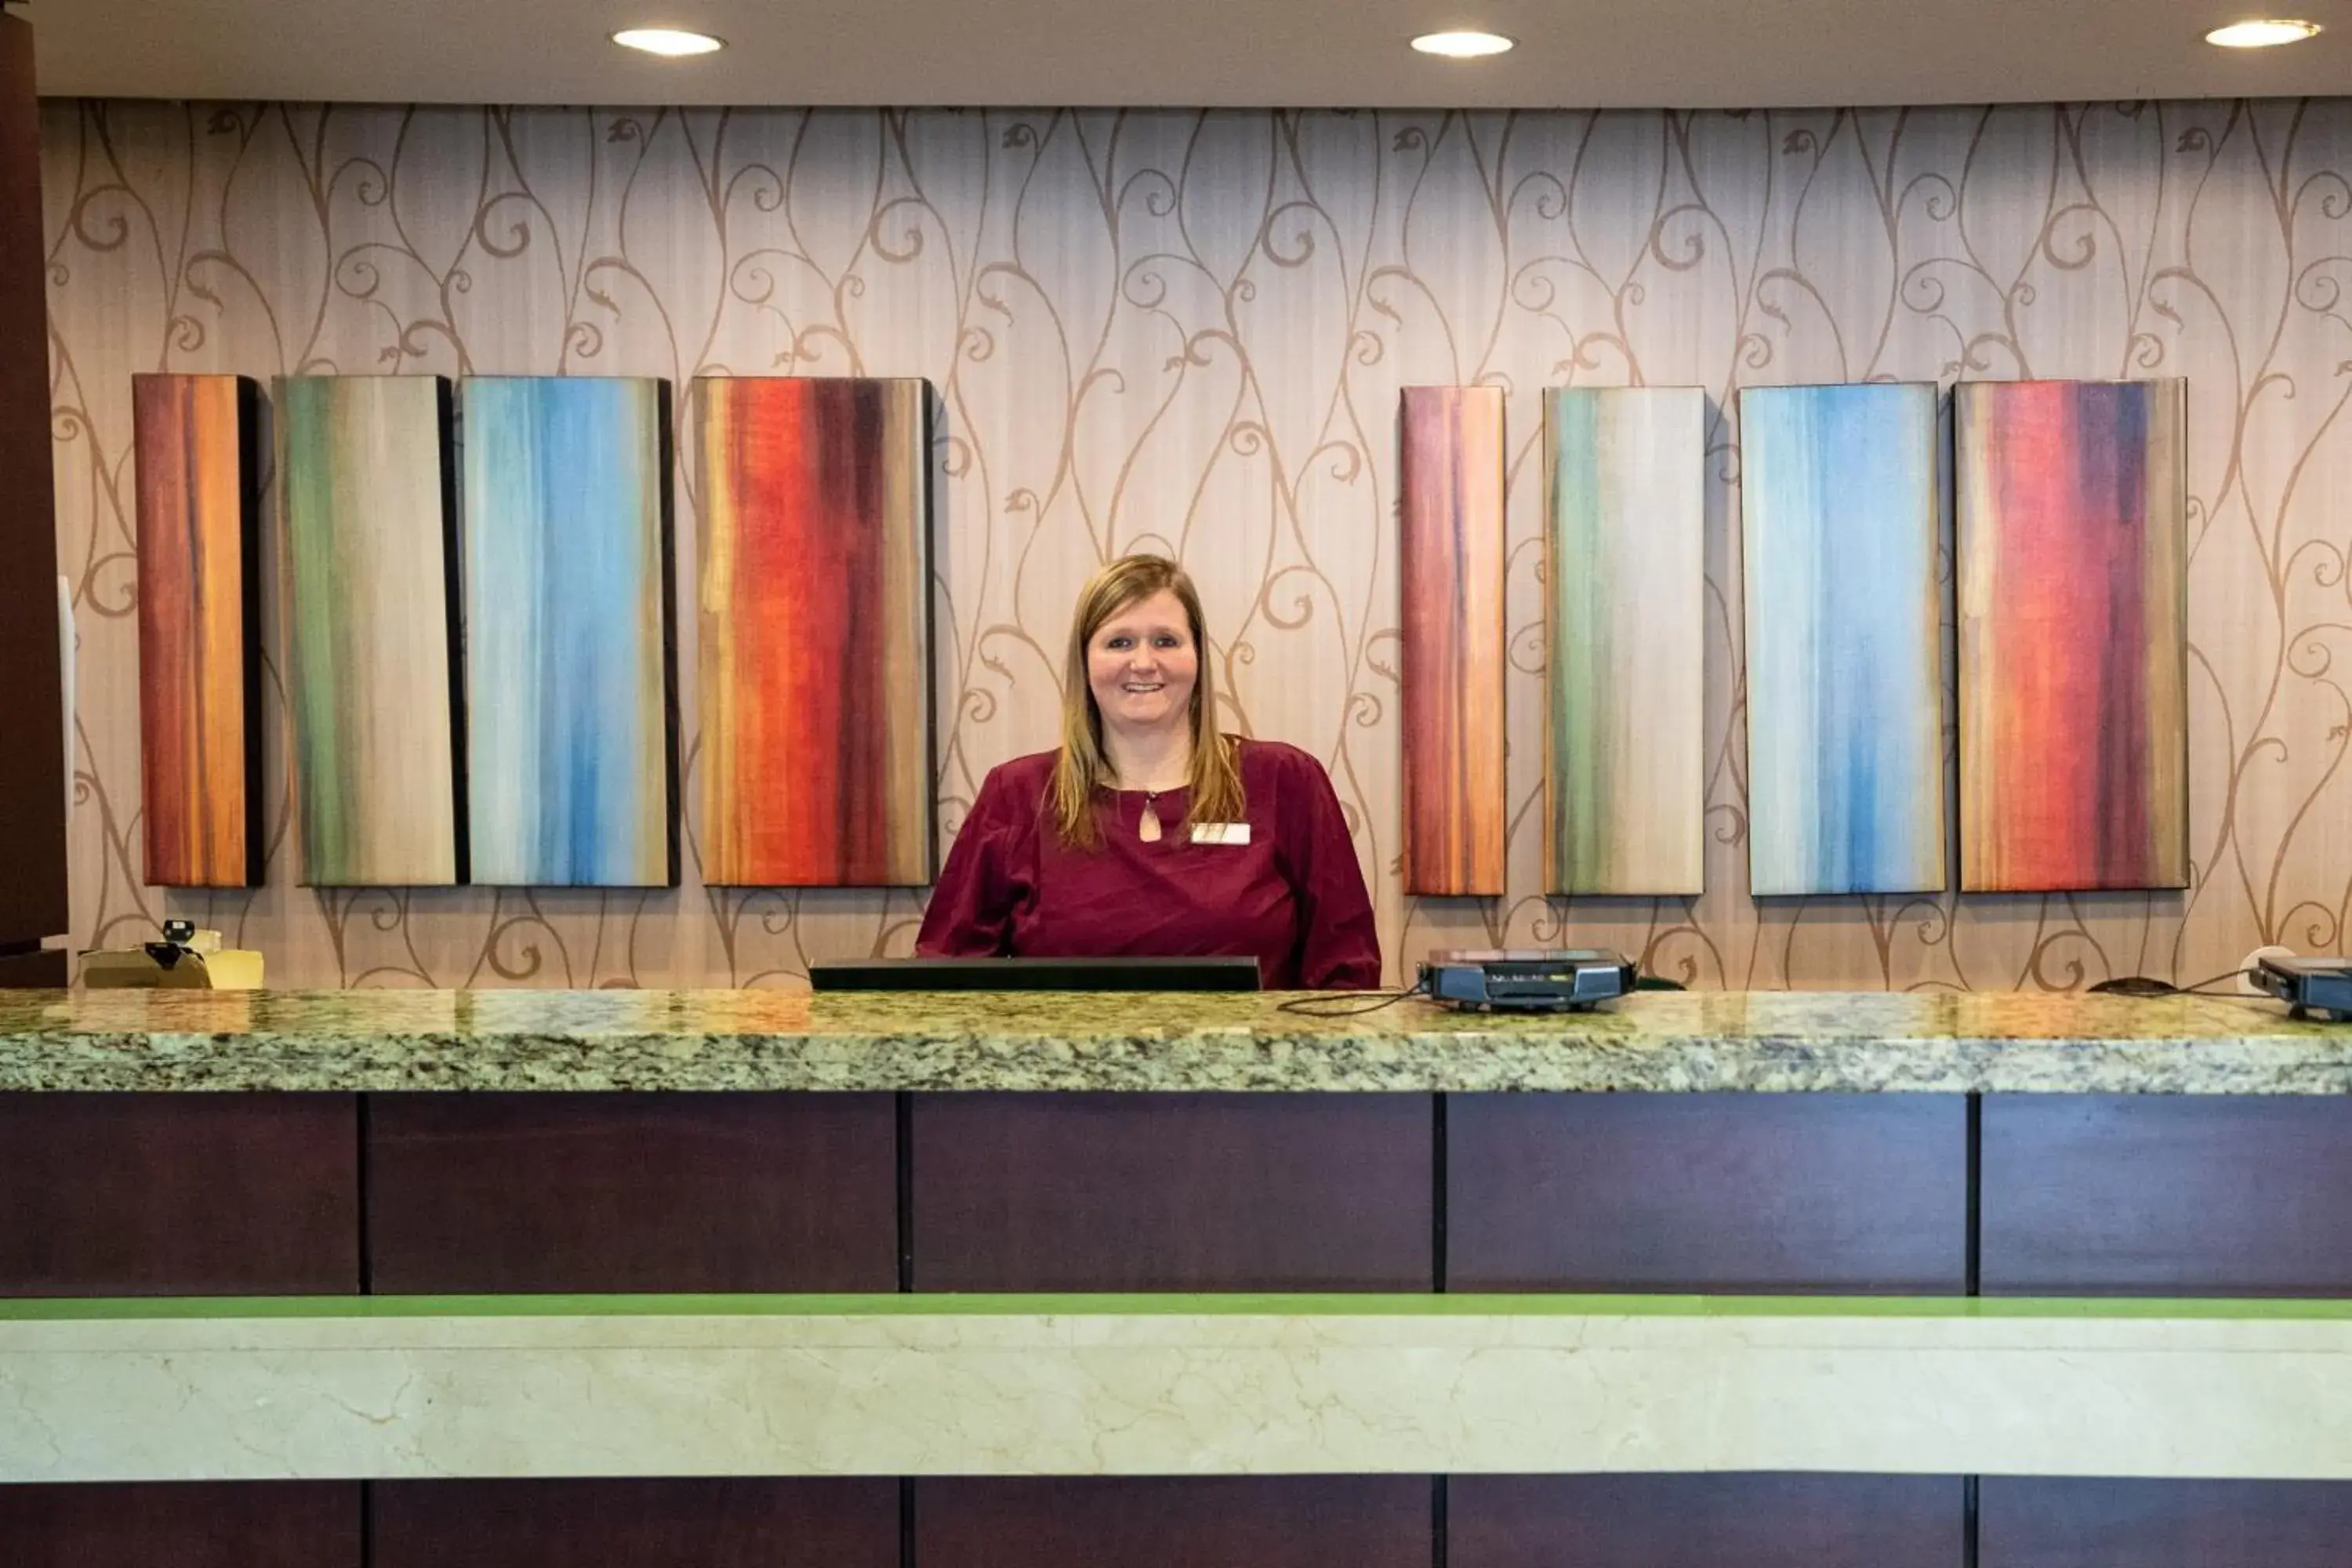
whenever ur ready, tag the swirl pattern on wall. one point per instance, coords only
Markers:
(1185, 332)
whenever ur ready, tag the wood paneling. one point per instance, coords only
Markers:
(2053, 1522)
(636, 1192)
(178, 1195)
(1799, 1193)
(1704, 1521)
(2166, 1196)
(1173, 1192)
(1224, 1521)
(32, 765)
(246, 1524)
(715, 1523)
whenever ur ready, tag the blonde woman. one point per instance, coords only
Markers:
(1147, 831)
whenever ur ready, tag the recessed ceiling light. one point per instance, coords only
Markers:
(668, 41)
(1462, 45)
(2261, 35)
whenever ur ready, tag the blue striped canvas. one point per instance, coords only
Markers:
(568, 699)
(1838, 502)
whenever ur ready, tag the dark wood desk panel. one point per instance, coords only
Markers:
(693, 1523)
(33, 767)
(244, 1525)
(1726, 1193)
(680, 1192)
(45, 970)
(1173, 1192)
(2166, 1196)
(1222, 1522)
(1704, 1521)
(2053, 1522)
(179, 1194)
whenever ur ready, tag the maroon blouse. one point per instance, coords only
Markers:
(1293, 896)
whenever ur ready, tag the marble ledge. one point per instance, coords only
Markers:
(2183, 1393)
(1771, 1042)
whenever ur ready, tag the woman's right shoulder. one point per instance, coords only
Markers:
(1027, 774)
(1018, 787)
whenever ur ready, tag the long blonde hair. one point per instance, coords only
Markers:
(1082, 768)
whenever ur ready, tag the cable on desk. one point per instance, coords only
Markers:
(1348, 1007)
(2148, 985)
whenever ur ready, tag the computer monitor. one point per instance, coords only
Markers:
(1228, 973)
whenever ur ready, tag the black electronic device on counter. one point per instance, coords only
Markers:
(2322, 985)
(1222, 974)
(1569, 979)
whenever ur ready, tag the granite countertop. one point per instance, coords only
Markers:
(1696, 1041)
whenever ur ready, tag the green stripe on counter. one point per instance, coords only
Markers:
(158, 1307)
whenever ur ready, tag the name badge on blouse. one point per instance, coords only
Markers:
(1220, 832)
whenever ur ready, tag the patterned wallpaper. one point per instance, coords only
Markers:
(1185, 332)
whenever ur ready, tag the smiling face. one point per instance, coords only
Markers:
(1142, 664)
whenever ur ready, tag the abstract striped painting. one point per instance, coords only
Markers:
(1625, 574)
(1450, 564)
(366, 471)
(2074, 640)
(1838, 502)
(199, 512)
(569, 706)
(814, 664)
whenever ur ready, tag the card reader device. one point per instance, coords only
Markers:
(1567, 980)
(2322, 985)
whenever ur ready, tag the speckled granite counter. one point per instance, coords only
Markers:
(1770, 1042)
(2169, 1151)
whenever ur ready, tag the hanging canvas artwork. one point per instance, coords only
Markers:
(365, 467)
(2073, 636)
(1626, 576)
(570, 704)
(195, 439)
(1840, 508)
(814, 664)
(1449, 568)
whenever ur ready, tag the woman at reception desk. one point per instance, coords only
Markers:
(1148, 832)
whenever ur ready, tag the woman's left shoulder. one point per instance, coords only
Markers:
(1275, 760)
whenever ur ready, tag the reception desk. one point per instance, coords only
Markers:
(518, 1277)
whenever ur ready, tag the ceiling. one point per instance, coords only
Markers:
(1305, 53)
